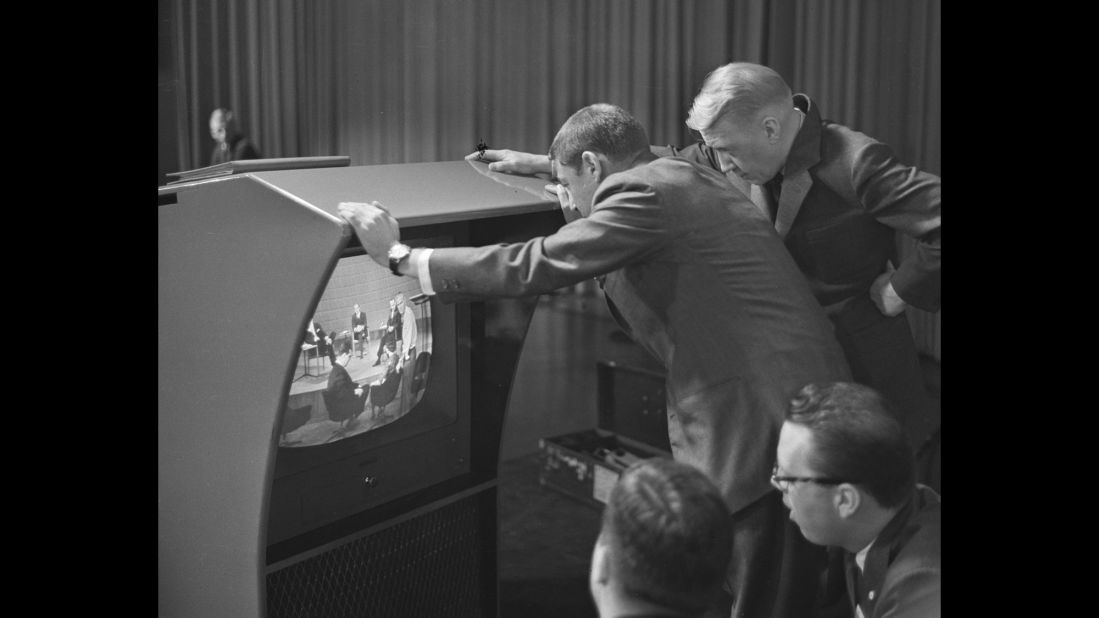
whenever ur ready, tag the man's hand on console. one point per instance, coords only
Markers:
(512, 161)
(377, 230)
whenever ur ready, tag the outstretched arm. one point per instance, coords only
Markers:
(512, 161)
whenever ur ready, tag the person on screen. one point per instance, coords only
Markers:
(387, 344)
(847, 473)
(664, 544)
(406, 334)
(345, 396)
(838, 198)
(230, 144)
(358, 328)
(385, 389)
(695, 273)
(315, 335)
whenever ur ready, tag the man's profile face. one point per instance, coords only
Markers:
(744, 149)
(811, 505)
(217, 127)
(356, 308)
(580, 183)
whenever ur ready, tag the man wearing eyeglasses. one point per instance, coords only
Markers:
(847, 474)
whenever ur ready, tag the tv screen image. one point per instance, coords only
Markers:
(365, 356)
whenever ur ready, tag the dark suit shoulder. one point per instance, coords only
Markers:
(842, 154)
(916, 554)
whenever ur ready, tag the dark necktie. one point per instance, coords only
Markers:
(774, 187)
(855, 575)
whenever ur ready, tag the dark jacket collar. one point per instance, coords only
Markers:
(805, 152)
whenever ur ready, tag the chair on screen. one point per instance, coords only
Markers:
(294, 418)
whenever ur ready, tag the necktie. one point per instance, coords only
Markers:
(854, 573)
(774, 186)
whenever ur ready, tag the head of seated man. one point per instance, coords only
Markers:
(665, 542)
(342, 345)
(847, 474)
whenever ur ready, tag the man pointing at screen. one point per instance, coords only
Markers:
(697, 275)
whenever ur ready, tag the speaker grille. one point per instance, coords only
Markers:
(430, 565)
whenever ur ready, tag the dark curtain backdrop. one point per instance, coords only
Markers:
(425, 80)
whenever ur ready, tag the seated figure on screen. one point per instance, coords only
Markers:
(315, 335)
(406, 332)
(847, 474)
(387, 343)
(358, 328)
(345, 399)
(231, 144)
(665, 543)
(699, 277)
(384, 389)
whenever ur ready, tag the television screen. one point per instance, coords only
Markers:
(377, 406)
(365, 356)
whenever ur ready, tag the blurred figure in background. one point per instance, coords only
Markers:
(230, 143)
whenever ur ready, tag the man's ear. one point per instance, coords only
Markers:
(595, 164)
(847, 500)
(772, 128)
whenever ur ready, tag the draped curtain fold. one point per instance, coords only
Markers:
(426, 80)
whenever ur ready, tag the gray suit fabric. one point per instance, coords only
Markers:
(700, 278)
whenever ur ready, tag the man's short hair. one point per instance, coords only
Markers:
(669, 534)
(739, 89)
(601, 128)
(856, 438)
(342, 345)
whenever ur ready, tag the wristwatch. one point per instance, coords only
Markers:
(397, 254)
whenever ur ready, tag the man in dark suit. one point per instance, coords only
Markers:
(847, 473)
(346, 398)
(315, 335)
(664, 545)
(392, 326)
(358, 328)
(695, 272)
(837, 198)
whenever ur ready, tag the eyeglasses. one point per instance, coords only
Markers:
(783, 483)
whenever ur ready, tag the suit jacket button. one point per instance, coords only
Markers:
(871, 595)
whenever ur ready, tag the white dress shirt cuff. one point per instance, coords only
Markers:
(422, 271)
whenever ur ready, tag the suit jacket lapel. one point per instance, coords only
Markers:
(793, 193)
(805, 153)
(761, 198)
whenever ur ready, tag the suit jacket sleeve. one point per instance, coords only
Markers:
(625, 225)
(906, 200)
